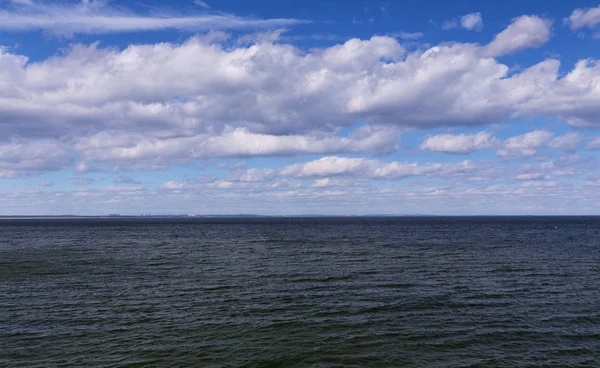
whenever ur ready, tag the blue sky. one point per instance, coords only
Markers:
(313, 107)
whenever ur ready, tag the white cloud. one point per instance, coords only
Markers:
(122, 188)
(150, 152)
(524, 32)
(201, 4)
(253, 175)
(204, 179)
(574, 97)
(462, 143)
(449, 24)
(157, 104)
(98, 17)
(174, 185)
(538, 184)
(408, 35)
(232, 165)
(580, 18)
(22, 2)
(46, 184)
(451, 192)
(336, 183)
(536, 176)
(472, 22)
(373, 169)
(526, 144)
(20, 157)
(593, 145)
(275, 89)
(82, 181)
(124, 179)
(270, 88)
(567, 142)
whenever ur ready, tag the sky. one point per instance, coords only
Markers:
(306, 107)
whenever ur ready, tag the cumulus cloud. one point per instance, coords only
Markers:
(594, 145)
(201, 4)
(567, 142)
(124, 179)
(82, 181)
(148, 106)
(564, 166)
(20, 157)
(524, 32)
(328, 172)
(472, 22)
(312, 191)
(373, 169)
(538, 184)
(67, 18)
(253, 175)
(462, 143)
(151, 105)
(336, 183)
(449, 24)
(232, 165)
(204, 185)
(536, 176)
(408, 35)
(268, 87)
(573, 98)
(524, 145)
(174, 185)
(137, 149)
(200, 87)
(492, 199)
(122, 188)
(580, 18)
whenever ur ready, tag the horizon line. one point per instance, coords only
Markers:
(189, 216)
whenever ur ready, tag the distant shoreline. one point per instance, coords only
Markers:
(251, 216)
(198, 216)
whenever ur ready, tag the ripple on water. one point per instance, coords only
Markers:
(439, 292)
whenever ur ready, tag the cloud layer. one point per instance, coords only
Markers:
(164, 103)
(589, 17)
(472, 22)
(524, 145)
(97, 17)
(523, 33)
(269, 120)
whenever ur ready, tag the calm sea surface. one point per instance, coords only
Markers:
(331, 292)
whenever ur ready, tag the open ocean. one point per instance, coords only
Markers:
(301, 292)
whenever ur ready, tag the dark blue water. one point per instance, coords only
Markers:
(356, 292)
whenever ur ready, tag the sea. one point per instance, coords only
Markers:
(300, 292)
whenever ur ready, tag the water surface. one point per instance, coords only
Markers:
(322, 292)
